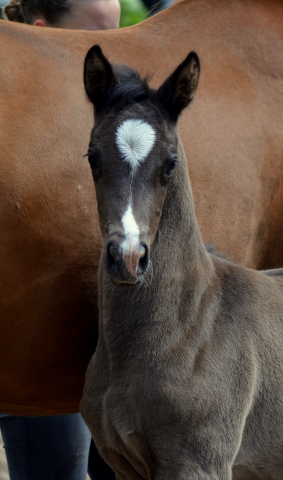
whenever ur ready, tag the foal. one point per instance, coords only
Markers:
(187, 379)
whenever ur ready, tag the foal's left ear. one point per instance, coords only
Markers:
(99, 78)
(179, 89)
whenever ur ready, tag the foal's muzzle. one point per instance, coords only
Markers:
(128, 262)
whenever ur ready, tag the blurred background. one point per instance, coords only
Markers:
(132, 11)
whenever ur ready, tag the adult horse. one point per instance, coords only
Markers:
(49, 234)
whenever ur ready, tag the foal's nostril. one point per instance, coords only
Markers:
(144, 259)
(113, 255)
(124, 262)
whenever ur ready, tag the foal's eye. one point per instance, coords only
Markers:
(170, 168)
(93, 159)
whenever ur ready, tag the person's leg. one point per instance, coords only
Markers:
(46, 448)
(97, 468)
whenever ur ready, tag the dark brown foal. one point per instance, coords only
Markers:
(187, 379)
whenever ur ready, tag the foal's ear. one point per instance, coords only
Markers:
(99, 78)
(178, 90)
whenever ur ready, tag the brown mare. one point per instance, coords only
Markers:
(49, 234)
(187, 379)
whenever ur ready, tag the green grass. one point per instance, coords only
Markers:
(132, 11)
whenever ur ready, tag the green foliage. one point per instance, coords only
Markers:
(132, 11)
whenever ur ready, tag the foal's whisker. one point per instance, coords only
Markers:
(144, 281)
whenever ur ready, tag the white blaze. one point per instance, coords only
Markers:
(135, 138)
(131, 229)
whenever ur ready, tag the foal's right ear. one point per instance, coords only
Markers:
(99, 78)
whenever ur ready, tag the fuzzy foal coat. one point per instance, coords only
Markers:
(187, 378)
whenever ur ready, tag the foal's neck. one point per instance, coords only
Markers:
(179, 244)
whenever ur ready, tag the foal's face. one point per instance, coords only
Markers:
(133, 153)
(132, 157)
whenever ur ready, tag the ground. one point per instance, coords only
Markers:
(3, 464)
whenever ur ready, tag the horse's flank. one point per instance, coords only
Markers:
(49, 235)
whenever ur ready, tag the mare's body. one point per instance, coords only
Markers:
(49, 235)
(187, 378)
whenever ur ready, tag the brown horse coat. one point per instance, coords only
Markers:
(49, 236)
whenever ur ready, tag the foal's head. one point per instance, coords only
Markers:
(133, 154)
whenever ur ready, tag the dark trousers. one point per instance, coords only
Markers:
(51, 448)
